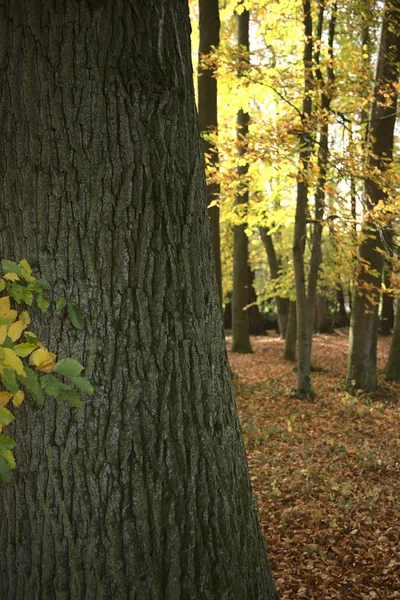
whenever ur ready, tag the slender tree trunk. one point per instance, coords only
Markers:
(387, 315)
(144, 494)
(291, 334)
(256, 319)
(207, 105)
(306, 286)
(343, 319)
(392, 370)
(361, 369)
(282, 304)
(240, 316)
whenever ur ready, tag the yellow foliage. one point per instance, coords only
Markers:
(43, 360)
(4, 398)
(18, 398)
(16, 330)
(9, 358)
(4, 305)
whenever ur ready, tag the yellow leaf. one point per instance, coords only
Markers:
(16, 330)
(3, 333)
(9, 357)
(4, 398)
(18, 398)
(11, 277)
(11, 315)
(43, 360)
(2, 285)
(4, 305)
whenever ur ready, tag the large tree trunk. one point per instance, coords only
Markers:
(207, 105)
(361, 369)
(240, 316)
(144, 493)
(282, 304)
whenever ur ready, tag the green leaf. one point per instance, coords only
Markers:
(9, 456)
(83, 384)
(6, 416)
(5, 470)
(51, 385)
(6, 443)
(38, 285)
(68, 367)
(73, 398)
(75, 315)
(30, 381)
(30, 337)
(25, 318)
(16, 291)
(2, 285)
(61, 303)
(27, 296)
(9, 380)
(10, 266)
(42, 301)
(38, 396)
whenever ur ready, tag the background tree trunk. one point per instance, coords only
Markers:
(240, 316)
(387, 315)
(207, 105)
(392, 370)
(144, 493)
(361, 368)
(291, 334)
(282, 304)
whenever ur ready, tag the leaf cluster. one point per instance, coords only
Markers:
(26, 365)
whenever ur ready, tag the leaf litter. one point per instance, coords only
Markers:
(325, 473)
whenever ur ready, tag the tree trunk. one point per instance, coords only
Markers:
(342, 318)
(361, 368)
(291, 334)
(387, 315)
(207, 106)
(143, 494)
(392, 370)
(282, 304)
(240, 316)
(257, 324)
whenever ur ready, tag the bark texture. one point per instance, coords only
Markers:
(361, 368)
(240, 316)
(208, 115)
(144, 494)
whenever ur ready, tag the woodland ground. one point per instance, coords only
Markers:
(326, 473)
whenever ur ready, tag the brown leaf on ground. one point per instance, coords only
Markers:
(326, 473)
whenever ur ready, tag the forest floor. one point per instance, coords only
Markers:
(326, 473)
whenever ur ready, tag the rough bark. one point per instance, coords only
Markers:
(209, 25)
(240, 316)
(282, 304)
(361, 368)
(291, 334)
(392, 370)
(144, 494)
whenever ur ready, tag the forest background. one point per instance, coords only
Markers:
(303, 180)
